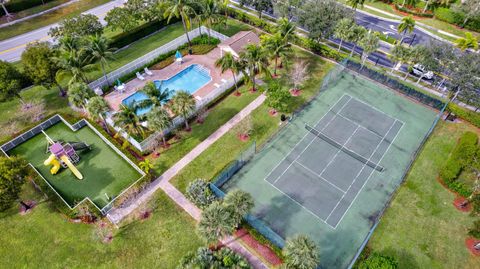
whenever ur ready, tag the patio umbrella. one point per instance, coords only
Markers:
(178, 56)
(119, 82)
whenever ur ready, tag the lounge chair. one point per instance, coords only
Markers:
(224, 80)
(216, 85)
(139, 76)
(148, 72)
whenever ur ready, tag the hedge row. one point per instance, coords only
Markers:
(413, 12)
(126, 38)
(457, 18)
(466, 114)
(19, 5)
(461, 158)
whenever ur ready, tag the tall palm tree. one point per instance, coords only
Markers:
(159, 121)
(240, 204)
(228, 62)
(99, 50)
(78, 94)
(75, 63)
(210, 14)
(356, 34)
(98, 108)
(216, 222)
(256, 61)
(277, 46)
(127, 119)
(183, 104)
(286, 29)
(467, 42)
(406, 26)
(156, 97)
(398, 55)
(369, 43)
(343, 30)
(300, 252)
(181, 9)
(355, 3)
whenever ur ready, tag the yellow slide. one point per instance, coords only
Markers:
(52, 161)
(72, 167)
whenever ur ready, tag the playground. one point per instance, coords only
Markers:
(78, 164)
(331, 171)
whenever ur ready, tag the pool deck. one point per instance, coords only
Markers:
(114, 99)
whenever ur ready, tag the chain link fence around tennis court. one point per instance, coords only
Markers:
(148, 58)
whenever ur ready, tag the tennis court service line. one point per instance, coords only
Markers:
(303, 138)
(369, 176)
(319, 176)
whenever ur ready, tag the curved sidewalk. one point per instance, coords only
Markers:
(163, 182)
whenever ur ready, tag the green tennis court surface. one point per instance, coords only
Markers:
(105, 172)
(331, 171)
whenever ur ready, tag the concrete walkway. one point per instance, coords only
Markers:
(163, 182)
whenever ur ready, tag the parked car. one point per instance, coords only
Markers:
(419, 70)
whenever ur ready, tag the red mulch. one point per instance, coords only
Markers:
(24, 210)
(272, 112)
(243, 137)
(145, 214)
(459, 200)
(470, 243)
(253, 90)
(262, 250)
(237, 93)
(295, 92)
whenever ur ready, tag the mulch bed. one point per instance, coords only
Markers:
(243, 137)
(295, 92)
(272, 112)
(459, 204)
(259, 248)
(23, 210)
(470, 243)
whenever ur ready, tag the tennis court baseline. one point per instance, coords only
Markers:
(328, 167)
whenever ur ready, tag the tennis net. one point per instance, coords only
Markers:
(334, 143)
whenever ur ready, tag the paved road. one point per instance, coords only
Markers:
(11, 49)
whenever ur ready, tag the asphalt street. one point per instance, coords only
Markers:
(11, 49)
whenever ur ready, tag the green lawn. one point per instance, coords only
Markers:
(34, 10)
(422, 229)
(46, 239)
(228, 147)
(49, 18)
(104, 171)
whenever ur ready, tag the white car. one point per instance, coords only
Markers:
(420, 70)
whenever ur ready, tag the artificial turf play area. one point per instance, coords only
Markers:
(76, 161)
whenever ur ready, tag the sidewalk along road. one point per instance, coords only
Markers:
(11, 49)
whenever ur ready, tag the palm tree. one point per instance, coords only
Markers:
(256, 61)
(180, 9)
(467, 42)
(356, 34)
(210, 14)
(228, 62)
(156, 97)
(301, 253)
(159, 121)
(369, 43)
(78, 94)
(127, 119)
(277, 46)
(240, 204)
(355, 3)
(146, 165)
(343, 30)
(98, 48)
(406, 26)
(286, 29)
(97, 108)
(216, 222)
(183, 104)
(74, 63)
(2, 3)
(398, 55)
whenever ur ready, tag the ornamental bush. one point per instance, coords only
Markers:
(378, 261)
(475, 229)
(206, 258)
(199, 192)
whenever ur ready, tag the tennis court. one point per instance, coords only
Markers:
(330, 172)
(327, 169)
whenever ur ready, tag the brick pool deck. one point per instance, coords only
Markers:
(114, 99)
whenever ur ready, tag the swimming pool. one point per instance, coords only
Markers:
(189, 79)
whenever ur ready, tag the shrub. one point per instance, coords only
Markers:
(466, 114)
(457, 18)
(199, 192)
(413, 12)
(475, 230)
(19, 5)
(475, 201)
(206, 258)
(378, 261)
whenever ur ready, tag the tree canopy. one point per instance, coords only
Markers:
(78, 26)
(11, 81)
(13, 173)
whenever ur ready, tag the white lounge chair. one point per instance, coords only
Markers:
(139, 76)
(224, 80)
(216, 85)
(147, 71)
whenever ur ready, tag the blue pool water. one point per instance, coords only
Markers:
(189, 79)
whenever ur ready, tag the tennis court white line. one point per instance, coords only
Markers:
(361, 170)
(369, 176)
(301, 140)
(306, 209)
(367, 104)
(363, 127)
(319, 176)
(339, 150)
